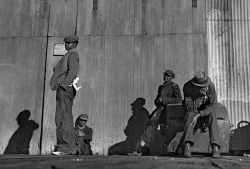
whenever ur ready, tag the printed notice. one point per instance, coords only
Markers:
(59, 49)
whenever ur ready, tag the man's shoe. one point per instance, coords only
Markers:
(58, 153)
(134, 153)
(215, 152)
(77, 152)
(187, 152)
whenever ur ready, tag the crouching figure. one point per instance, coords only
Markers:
(83, 135)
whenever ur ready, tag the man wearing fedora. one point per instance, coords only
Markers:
(168, 93)
(199, 102)
(83, 135)
(64, 74)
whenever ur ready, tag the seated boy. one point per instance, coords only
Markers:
(83, 135)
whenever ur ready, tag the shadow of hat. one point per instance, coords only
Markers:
(200, 79)
(138, 102)
(23, 117)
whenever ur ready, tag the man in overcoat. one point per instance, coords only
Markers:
(83, 135)
(199, 101)
(64, 74)
(169, 92)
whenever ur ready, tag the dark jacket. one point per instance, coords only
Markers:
(194, 100)
(65, 71)
(87, 131)
(170, 93)
(83, 142)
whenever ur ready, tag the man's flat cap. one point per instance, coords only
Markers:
(71, 39)
(170, 73)
(84, 117)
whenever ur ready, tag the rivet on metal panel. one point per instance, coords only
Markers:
(95, 4)
(95, 8)
(144, 6)
(194, 3)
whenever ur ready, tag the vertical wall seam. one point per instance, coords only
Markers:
(77, 6)
(44, 83)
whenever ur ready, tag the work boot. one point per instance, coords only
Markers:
(78, 151)
(135, 153)
(215, 152)
(187, 152)
(145, 151)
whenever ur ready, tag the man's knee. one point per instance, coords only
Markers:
(190, 115)
(212, 116)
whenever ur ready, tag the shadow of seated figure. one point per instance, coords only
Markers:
(20, 140)
(133, 130)
(83, 135)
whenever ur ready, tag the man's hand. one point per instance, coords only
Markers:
(204, 90)
(205, 98)
(76, 132)
(189, 103)
(142, 143)
(194, 121)
(81, 134)
(159, 100)
(87, 141)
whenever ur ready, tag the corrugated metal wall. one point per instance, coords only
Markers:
(23, 39)
(125, 45)
(228, 54)
(228, 30)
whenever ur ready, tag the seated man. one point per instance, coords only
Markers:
(83, 135)
(169, 92)
(199, 101)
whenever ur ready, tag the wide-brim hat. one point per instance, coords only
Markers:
(83, 117)
(200, 79)
(170, 73)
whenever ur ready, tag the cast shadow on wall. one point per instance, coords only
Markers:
(133, 130)
(20, 140)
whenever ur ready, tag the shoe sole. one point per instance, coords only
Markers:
(187, 156)
(58, 153)
(134, 155)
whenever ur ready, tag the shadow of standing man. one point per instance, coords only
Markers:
(20, 140)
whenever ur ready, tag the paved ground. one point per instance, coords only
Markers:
(122, 162)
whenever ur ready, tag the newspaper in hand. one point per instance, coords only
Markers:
(76, 80)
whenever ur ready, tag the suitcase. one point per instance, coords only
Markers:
(240, 139)
(173, 130)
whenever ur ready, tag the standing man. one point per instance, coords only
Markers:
(169, 92)
(83, 135)
(64, 74)
(199, 101)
